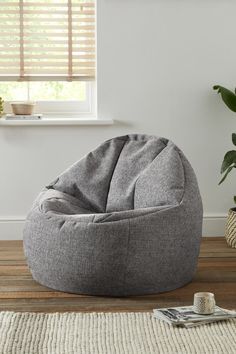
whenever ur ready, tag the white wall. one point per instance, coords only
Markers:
(157, 62)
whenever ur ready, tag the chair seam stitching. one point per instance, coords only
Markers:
(127, 257)
(109, 186)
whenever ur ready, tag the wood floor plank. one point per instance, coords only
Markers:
(83, 305)
(11, 243)
(36, 295)
(14, 270)
(19, 292)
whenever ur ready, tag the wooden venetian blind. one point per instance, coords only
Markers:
(47, 40)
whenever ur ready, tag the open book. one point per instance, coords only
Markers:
(24, 117)
(185, 316)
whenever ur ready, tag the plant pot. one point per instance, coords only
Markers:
(24, 108)
(230, 232)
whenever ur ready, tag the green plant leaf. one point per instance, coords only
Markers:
(229, 158)
(228, 97)
(226, 173)
(234, 138)
(235, 199)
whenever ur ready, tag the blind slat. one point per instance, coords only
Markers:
(46, 64)
(46, 57)
(47, 50)
(49, 72)
(62, 21)
(42, 4)
(41, 40)
(15, 77)
(41, 36)
(45, 12)
(53, 27)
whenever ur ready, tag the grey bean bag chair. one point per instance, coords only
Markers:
(124, 220)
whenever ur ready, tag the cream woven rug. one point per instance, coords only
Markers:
(109, 333)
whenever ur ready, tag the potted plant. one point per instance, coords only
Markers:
(228, 164)
(1, 107)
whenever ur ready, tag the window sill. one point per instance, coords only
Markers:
(56, 121)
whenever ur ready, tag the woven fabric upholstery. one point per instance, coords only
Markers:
(124, 220)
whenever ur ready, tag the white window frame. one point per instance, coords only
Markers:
(63, 108)
(73, 108)
(67, 109)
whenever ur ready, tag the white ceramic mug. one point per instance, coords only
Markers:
(204, 303)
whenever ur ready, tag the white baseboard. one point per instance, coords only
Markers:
(214, 225)
(11, 228)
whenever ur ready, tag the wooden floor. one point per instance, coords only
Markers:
(19, 292)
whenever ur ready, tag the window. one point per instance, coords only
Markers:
(48, 54)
